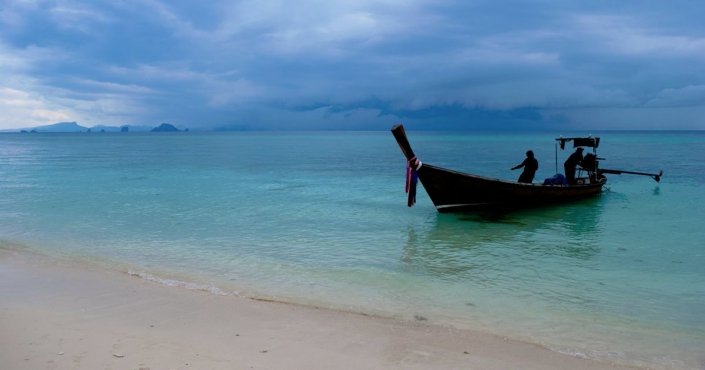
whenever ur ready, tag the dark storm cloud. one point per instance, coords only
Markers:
(354, 64)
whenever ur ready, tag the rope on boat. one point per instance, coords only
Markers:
(412, 165)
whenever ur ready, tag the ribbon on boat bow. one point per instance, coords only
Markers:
(412, 177)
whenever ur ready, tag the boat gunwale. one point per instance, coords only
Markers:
(514, 183)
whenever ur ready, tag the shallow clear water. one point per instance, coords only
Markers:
(321, 218)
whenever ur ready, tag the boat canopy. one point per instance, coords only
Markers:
(592, 142)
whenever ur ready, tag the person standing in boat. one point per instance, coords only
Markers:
(530, 165)
(571, 163)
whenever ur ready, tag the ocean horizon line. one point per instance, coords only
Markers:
(303, 130)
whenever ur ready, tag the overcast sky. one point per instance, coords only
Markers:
(354, 64)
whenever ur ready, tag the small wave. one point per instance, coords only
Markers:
(571, 353)
(181, 284)
(618, 357)
(615, 356)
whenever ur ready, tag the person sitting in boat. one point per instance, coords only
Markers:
(530, 165)
(571, 163)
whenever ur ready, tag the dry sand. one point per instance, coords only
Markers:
(59, 315)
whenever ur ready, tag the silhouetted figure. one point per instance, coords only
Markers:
(571, 163)
(530, 165)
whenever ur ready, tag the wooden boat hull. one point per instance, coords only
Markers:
(452, 191)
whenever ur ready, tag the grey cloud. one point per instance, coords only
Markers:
(355, 64)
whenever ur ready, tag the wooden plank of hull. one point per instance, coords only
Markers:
(452, 191)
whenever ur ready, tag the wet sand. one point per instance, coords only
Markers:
(56, 314)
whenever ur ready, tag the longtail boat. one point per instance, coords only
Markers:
(454, 191)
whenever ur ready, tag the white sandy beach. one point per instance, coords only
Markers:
(59, 315)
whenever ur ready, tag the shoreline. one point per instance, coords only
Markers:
(59, 315)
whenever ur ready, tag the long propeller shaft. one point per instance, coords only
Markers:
(655, 176)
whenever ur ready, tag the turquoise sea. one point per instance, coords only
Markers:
(321, 219)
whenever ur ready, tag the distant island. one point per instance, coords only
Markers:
(165, 127)
(68, 127)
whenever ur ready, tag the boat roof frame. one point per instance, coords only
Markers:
(589, 141)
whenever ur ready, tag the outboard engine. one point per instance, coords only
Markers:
(589, 163)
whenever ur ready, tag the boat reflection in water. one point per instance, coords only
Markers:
(463, 246)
